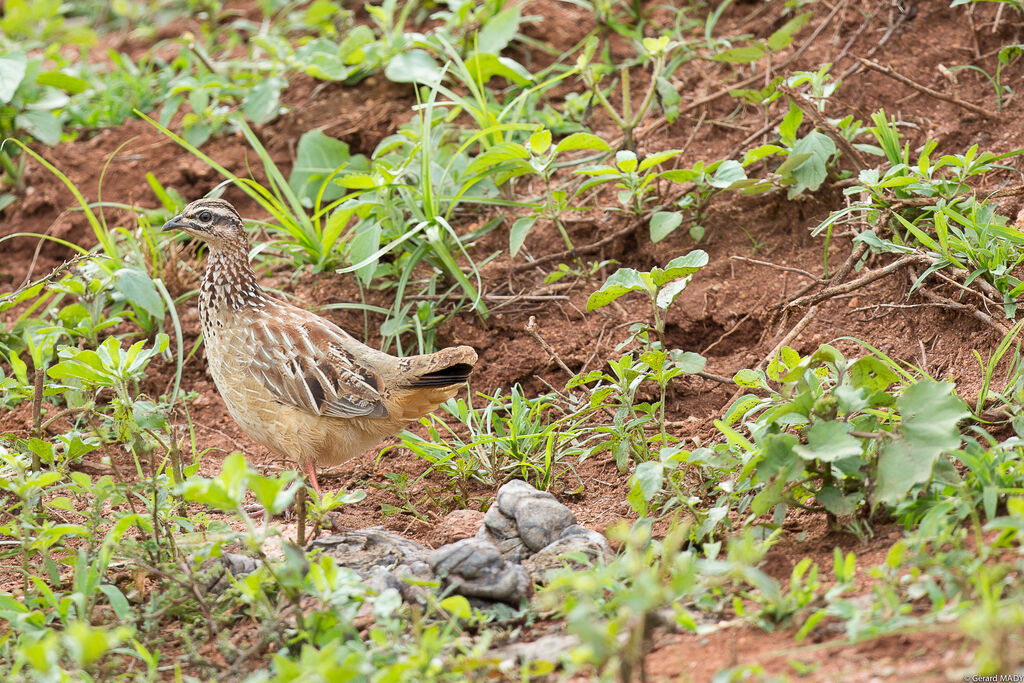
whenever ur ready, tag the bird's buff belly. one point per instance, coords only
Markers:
(292, 432)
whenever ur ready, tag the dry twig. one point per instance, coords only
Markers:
(867, 278)
(895, 75)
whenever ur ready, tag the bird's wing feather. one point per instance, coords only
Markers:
(301, 360)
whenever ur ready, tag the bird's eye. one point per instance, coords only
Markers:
(206, 216)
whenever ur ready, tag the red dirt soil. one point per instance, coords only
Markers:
(725, 313)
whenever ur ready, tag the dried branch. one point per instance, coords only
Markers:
(846, 287)
(776, 266)
(893, 74)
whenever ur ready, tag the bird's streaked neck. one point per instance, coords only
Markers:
(229, 280)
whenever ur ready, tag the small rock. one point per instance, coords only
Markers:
(228, 563)
(364, 550)
(476, 569)
(574, 539)
(408, 580)
(514, 491)
(499, 525)
(511, 548)
(541, 521)
(547, 648)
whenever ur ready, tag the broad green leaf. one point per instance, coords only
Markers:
(413, 66)
(137, 286)
(663, 223)
(681, 266)
(540, 141)
(773, 493)
(40, 124)
(621, 282)
(748, 378)
(322, 58)
(499, 31)
(742, 55)
(517, 235)
(790, 123)
(355, 181)
(648, 476)
(582, 141)
(680, 175)
(840, 505)
(274, 493)
(500, 153)
(871, 373)
(829, 441)
(784, 36)
(727, 173)
(458, 606)
(483, 67)
(58, 79)
(656, 45)
(688, 361)
(668, 293)
(626, 161)
(364, 244)
(669, 98)
(752, 156)
(657, 158)
(813, 171)
(118, 602)
(263, 100)
(12, 70)
(316, 158)
(931, 413)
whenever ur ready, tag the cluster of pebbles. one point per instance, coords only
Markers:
(525, 534)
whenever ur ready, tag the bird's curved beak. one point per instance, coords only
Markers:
(175, 223)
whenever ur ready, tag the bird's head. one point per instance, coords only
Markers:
(214, 221)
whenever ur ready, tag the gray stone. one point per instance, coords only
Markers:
(498, 524)
(549, 648)
(541, 521)
(476, 569)
(234, 564)
(364, 550)
(511, 493)
(512, 548)
(403, 578)
(574, 539)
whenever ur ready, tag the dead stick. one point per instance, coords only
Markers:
(1008, 192)
(957, 306)
(790, 336)
(846, 287)
(531, 329)
(893, 74)
(776, 266)
(37, 414)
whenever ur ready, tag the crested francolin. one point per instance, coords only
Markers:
(293, 381)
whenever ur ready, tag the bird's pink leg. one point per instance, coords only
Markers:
(309, 467)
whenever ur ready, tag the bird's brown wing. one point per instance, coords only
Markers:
(301, 360)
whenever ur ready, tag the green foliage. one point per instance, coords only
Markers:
(834, 431)
(928, 208)
(509, 438)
